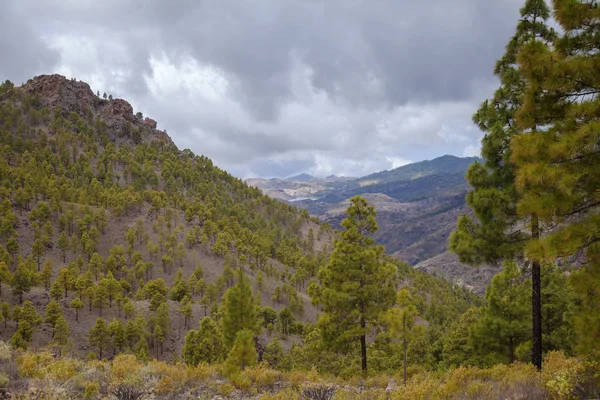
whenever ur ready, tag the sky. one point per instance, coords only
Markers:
(273, 88)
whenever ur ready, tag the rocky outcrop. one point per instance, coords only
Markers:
(58, 91)
(77, 96)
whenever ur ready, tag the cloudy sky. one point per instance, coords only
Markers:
(277, 87)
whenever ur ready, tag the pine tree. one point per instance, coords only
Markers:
(99, 336)
(141, 349)
(498, 232)
(76, 304)
(47, 273)
(185, 309)
(63, 245)
(56, 291)
(53, 312)
(402, 321)
(5, 275)
(205, 345)
(21, 338)
(357, 285)
(504, 324)
(61, 332)
(163, 323)
(117, 333)
(100, 298)
(558, 163)
(180, 288)
(458, 347)
(243, 352)
(240, 311)
(274, 353)
(12, 246)
(22, 281)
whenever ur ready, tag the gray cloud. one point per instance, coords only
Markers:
(278, 87)
(24, 53)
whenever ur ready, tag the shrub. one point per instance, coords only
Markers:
(128, 392)
(241, 382)
(91, 389)
(225, 389)
(3, 380)
(5, 351)
(318, 392)
(560, 375)
(123, 367)
(262, 377)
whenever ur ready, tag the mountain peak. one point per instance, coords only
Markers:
(73, 96)
(301, 177)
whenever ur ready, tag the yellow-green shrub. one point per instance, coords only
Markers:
(123, 367)
(262, 377)
(420, 386)
(225, 389)
(62, 370)
(560, 375)
(31, 365)
(166, 385)
(91, 389)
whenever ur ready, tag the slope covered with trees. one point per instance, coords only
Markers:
(115, 246)
(105, 216)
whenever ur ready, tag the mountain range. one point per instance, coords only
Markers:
(417, 208)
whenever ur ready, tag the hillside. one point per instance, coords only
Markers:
(91, 190)
(99, 205)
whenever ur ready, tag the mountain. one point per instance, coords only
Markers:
(442, 165)
(417, 208)
(301, 177)
(103, 199)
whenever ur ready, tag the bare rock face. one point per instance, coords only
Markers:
(58, 91)
(149, 122)
(76, 96)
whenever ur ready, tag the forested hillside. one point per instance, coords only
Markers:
(101, 207)
(115, 241)
(132, 270)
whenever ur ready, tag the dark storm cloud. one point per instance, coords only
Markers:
(278, 87)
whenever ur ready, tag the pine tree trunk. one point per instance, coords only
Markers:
(363, 345)
(404, 345)
(536, 301)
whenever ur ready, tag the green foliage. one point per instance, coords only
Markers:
(240, 311)
(504, 324)
(274, 353)
(99, 336)
(205, 345)
(401, 321)
(557, 160)
(76, 304)
(53, 312)
(22, 280)
(243, 352)
(357, 284)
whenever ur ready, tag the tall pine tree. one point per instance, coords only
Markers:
(558, 160)
(240, 310)
(357, 285)
(499, 230)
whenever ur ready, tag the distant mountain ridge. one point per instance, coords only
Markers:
(417, 208)
(300, 177)
(446, 164)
